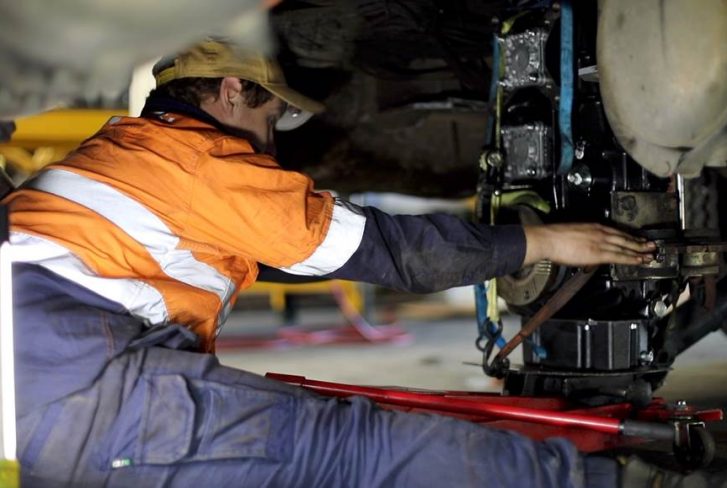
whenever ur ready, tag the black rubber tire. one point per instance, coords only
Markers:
(700, 451)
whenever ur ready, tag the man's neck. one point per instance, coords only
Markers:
(157, 104)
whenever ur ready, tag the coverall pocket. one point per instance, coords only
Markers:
(185, 420)
(155, 424)
(237, 421)
(166, 430)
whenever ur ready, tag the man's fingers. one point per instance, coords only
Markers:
(607, 247)
(622, 257)
(612, 232)
(616, 254)
(586, 244)
(629, 242)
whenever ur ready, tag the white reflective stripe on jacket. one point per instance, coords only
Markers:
(140, 299)
(343, 238)
(143, 226)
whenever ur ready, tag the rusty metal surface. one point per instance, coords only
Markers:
(644, 209)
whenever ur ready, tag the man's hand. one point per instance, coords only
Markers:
(584, 245)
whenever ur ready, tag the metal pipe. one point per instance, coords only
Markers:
(682, 202)
(7, 353)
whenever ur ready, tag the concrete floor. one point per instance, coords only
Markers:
(441, 355)
(434, 357)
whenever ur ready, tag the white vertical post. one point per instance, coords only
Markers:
(682, 195)
(7, 357)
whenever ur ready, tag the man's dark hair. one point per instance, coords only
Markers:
(194, 90)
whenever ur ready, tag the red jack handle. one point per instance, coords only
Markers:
(410, 399)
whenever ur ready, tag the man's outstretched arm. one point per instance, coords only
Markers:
(433, 252)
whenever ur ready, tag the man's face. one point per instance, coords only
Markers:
(257, 124)
(260, 122)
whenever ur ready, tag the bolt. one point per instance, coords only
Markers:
(494, 158)
(646, 357)
(580, 150)
(660, 308)
(580, 177)
(483, 162)
(575, 179)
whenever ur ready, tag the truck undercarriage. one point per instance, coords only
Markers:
(419, 92)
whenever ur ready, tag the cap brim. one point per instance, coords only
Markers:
(294, 98)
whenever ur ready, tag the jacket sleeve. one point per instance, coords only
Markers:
(420, 254)
(427, 253)
(247, 206)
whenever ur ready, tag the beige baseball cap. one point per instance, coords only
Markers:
(217, 59)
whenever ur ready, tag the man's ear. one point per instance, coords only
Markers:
(231, 91)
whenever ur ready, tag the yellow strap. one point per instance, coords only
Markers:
(493, 312)
(505, 200)
(523, 197)
(498, 200)
(507, 25)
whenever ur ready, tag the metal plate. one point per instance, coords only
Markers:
(525, 59)
(644, 209)
(528, 150)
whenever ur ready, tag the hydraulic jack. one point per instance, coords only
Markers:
(591, 429)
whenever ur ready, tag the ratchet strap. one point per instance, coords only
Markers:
(9, 467)
(556, 302)
(566, 87)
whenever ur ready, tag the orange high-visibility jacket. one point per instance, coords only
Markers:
(170, 216)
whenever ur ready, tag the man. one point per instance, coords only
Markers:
(132, 252)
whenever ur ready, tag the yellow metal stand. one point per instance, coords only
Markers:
(42, 139)
(278, 291)
(9, 474)
(67, 127)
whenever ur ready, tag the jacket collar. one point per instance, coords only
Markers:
(158, 105)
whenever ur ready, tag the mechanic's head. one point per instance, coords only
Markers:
(240, 89)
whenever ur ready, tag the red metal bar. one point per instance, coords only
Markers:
(591, 429)
(711, 415)
(660, 411)
(457, 405)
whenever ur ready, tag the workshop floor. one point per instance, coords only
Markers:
(441, 355)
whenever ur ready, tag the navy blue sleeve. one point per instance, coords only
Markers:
(427, 253)
(268, 274)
